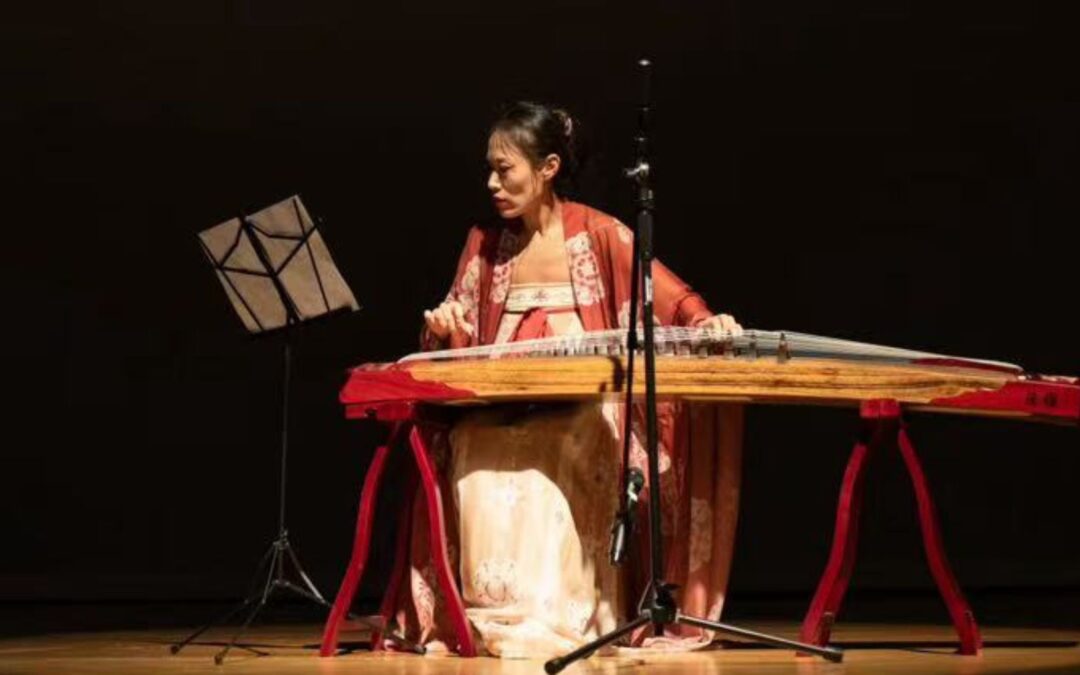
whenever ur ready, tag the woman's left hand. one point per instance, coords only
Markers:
(722, 322)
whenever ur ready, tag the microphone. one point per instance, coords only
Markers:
(623, 526)
(639, 172)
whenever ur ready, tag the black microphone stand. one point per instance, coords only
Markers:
(657, 605)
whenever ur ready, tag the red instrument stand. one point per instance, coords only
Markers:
(882, 421)
(405, 425)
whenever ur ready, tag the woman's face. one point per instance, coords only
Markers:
(516, 186)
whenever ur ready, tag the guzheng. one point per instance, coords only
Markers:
(755, 366)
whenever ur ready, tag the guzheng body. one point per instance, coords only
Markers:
(697, 364)
(706, 365)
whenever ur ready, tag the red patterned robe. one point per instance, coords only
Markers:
(700, 444)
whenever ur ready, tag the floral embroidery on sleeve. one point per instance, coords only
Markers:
(468, 290)
(584, 272)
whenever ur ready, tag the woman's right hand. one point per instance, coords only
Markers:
(447, 318)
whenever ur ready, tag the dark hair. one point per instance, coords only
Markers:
(538, 131)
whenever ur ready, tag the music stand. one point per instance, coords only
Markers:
(277, 273)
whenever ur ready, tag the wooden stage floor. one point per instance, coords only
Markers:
(293, 648)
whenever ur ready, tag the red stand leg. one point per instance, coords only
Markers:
(404, 421)
(401, 562)
(439, 553)
(817, 626)
(361, 544)
(959, 610)
(881, 418)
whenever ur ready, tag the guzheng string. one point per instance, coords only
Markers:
(684, 341)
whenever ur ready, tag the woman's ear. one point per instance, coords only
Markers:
(550, 167)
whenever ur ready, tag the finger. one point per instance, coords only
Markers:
(434, 325)
(447, 316)
(439, 319)
(732, 325)
(448, 313)
(459, 317)
(716, 322)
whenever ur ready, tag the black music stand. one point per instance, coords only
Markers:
(277, 273)
(657, 605)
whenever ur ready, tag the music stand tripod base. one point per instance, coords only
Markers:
(274, 562)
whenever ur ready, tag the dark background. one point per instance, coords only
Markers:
(894, 173)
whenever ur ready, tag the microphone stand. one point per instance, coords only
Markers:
(657, 605)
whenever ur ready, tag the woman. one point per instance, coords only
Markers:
(534, 490)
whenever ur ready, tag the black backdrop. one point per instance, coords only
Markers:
(877, 171)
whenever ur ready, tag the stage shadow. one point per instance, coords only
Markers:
(927, 646)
